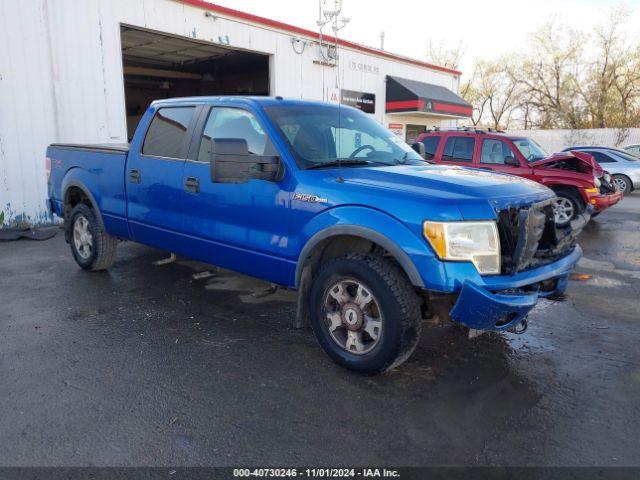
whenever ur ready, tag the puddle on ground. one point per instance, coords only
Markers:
(609, 267)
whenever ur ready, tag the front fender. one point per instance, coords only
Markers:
(412, 252)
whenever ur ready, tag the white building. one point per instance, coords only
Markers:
(83, 71)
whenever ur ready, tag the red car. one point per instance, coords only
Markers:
(576, 177)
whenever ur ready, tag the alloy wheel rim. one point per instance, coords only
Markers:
(562, 210)
(82, 237)
(352, 316)
(620, 183)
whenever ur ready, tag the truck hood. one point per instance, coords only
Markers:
(451, 185)
(579, 162)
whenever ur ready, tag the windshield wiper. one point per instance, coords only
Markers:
(338, 163)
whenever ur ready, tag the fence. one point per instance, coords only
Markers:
(557, 140)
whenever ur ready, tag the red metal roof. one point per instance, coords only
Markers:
(309, 33)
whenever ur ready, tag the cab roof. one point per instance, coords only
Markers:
(244, 100)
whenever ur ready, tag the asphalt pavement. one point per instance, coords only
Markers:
(149, 365)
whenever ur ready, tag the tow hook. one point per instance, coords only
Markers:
(519, 328)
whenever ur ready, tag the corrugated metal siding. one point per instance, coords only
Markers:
(61, 79)
(558, 140)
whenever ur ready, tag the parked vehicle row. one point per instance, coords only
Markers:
(623, 167)
(575, 177)
(322, 199)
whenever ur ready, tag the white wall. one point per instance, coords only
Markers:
(557, 140)
(61, 79)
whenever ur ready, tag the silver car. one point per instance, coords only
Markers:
(633, 150)
(623, 167)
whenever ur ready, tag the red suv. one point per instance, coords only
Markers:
(576, 177)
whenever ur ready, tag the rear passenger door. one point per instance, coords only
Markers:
(153, 177)
(458, 150)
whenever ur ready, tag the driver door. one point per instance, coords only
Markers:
(241, 226)
(495, 154)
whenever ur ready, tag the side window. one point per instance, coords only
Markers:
(431, 147)
(495, 151)
(226, 122)
(459, 149)
(167, 132)
(601, 157)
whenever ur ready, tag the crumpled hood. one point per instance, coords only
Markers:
(462, 187)
(582, 157)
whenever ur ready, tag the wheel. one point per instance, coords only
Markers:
(365, 313)
(622, 183)
(92, 247)
(567, 206)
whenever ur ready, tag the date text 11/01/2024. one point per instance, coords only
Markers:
(316, 473)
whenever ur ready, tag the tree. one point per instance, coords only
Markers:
(439, 54)
(492, 92)
(549, 76)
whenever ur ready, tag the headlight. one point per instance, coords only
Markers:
(475, 242)
(597, 182)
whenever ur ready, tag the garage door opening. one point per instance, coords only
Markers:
(157, 65)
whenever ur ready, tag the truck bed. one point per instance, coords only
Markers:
(108, 147)
(99, 171)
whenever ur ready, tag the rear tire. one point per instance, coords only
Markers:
(622, 183)
(568, 205)
(92, 247)
(373, 338)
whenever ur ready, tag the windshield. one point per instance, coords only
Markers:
(321, 135)
(530, 149)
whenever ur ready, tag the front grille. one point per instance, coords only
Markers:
(529, 237)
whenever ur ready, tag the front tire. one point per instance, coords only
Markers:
(622, 183)
(92, 247)
(568, 205)
(365, 313)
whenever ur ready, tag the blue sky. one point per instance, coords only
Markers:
(487, 28)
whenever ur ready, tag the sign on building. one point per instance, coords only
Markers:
(362, 100)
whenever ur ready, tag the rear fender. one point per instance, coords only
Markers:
(77, 177)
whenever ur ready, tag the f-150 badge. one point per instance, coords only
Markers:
(303, 197)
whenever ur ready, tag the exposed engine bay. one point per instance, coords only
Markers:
(529, 237)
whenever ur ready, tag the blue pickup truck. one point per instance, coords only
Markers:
(322, 199)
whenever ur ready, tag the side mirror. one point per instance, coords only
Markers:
(419, 148)
(231, 162)
(511, 161)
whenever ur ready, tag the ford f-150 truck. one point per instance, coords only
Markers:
(322, 199)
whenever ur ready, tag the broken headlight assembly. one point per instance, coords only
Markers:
(475, 242)
(596, 181)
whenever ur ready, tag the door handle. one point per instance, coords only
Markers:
(134, 176)
(192, 184)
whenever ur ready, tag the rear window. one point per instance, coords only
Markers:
(430, 146)
(459, 149)
(166, 134)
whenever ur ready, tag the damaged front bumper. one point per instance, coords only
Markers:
(502, 302)
(601, 201)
